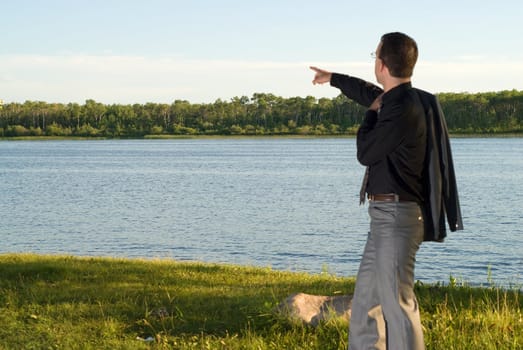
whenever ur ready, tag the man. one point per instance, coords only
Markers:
(405, 183)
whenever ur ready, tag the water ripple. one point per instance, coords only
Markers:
(286, 203)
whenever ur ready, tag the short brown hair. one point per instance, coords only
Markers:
(399, 52)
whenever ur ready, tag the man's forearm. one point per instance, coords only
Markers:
(361, 91)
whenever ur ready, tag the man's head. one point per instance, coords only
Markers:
(399, 53)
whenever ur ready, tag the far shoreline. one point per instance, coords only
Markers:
(193, 137)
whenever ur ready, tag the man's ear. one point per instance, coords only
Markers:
(382, 67)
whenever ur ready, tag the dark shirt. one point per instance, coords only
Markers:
(391, 142)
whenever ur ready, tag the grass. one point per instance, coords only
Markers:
(61, 302)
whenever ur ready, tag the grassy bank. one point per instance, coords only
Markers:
(51, 302)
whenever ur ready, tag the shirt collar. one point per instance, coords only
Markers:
(396, 91)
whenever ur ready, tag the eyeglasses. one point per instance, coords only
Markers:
(374, 55)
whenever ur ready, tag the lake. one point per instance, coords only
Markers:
(286, 203)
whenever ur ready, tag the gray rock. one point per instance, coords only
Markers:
(313, 309)
(160, 313)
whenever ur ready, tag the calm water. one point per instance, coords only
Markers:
(290, 204)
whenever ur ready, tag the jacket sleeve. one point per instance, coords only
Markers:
(433, 209)
(450, 187)
(356, 89)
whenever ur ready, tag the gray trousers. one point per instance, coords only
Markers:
(385, 312)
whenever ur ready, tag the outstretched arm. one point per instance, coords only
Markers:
(361, 91)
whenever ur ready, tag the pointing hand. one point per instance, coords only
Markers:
(321, 76)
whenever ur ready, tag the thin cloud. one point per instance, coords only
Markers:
(139, 79)
(470, 75)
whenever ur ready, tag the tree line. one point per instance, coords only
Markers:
(261, 114)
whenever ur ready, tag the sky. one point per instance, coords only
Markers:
(128, 51)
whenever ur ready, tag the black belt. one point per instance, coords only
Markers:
(389, 197)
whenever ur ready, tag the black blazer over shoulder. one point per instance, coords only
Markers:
(440, 186)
